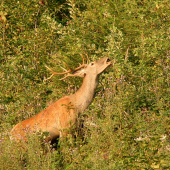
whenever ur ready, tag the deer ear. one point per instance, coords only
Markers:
(79, 73)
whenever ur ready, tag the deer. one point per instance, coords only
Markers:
(57, 118)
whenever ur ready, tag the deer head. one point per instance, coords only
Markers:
(97, 67)
(94, 68)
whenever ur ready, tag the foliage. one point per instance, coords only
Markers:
(127, 125)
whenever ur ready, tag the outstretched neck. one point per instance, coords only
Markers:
(84, 96)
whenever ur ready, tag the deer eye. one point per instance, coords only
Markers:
(108, 60)
(92, 64)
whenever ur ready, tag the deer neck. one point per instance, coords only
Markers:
(84, 96)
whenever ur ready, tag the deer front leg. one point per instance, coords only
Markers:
(63, 134)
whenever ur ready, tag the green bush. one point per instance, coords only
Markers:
(127, 124)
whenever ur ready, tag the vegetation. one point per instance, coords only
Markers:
(127, 125)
